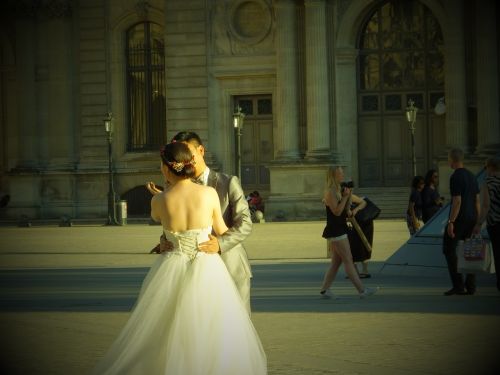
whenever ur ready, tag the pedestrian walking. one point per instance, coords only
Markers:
(463, 217)
(337, 198)
(490, 209)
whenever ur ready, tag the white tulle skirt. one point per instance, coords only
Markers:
(188, 320)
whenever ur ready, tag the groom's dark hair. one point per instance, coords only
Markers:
(188, 137)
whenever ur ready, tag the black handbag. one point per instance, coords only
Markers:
(369, 213)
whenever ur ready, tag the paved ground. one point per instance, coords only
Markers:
(66, 292)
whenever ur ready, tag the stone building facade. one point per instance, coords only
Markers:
(321, 82)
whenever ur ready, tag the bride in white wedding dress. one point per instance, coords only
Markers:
(189, 318)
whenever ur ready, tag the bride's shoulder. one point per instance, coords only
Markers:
(209, 193)
(207, 189)
(157, 197)
(201, 192)
(160, 196)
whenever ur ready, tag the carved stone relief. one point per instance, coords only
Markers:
(142, 9)
(242, 27)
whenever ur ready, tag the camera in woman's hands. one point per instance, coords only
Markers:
(346, 185)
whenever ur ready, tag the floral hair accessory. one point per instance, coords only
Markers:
(179, 165)
(176, 165)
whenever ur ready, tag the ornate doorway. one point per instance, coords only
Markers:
(401, 58)
(256, 141)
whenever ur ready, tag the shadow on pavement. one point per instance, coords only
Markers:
(276, 287)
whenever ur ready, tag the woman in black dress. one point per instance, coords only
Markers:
(337, 200)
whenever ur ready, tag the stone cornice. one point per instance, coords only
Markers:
(38, 8)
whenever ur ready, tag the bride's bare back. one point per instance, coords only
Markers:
(186, 206)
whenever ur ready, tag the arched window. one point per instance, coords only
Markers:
(401, 48)
(400, 59)
(145, 56)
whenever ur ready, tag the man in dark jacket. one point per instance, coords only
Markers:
(464, 214)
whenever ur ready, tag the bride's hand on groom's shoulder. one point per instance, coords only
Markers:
(210, 246)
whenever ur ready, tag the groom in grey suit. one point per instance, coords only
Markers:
(235, 212)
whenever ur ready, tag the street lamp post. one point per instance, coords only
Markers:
(411, 117)
(108, 127)
(238, 117)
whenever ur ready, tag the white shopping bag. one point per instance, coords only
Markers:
(474, 255)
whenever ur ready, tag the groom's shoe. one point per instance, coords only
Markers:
(453, 291)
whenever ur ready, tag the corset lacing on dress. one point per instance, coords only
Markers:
(186, 242)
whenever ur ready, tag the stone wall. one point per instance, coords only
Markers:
(63, 69)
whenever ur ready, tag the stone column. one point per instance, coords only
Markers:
(318, 126)
(45, 100)
(455, 93)
(488, 129)
(287, 136)
(27, 120)
(61, 123)
(346, 140)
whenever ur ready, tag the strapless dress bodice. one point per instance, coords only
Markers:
(186, 242)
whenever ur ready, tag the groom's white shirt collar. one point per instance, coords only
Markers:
(204, 176)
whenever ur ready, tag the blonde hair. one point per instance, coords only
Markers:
(331, 183)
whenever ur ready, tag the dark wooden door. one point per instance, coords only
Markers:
(257, 148)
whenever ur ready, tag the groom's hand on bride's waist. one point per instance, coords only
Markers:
(210, 246)
(165, 245)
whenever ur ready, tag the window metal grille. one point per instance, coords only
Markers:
(401, 48)
(145, 56)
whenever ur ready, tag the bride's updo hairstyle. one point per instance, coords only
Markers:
(178, 158)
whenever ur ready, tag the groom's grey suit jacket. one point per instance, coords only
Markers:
(236, 214)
